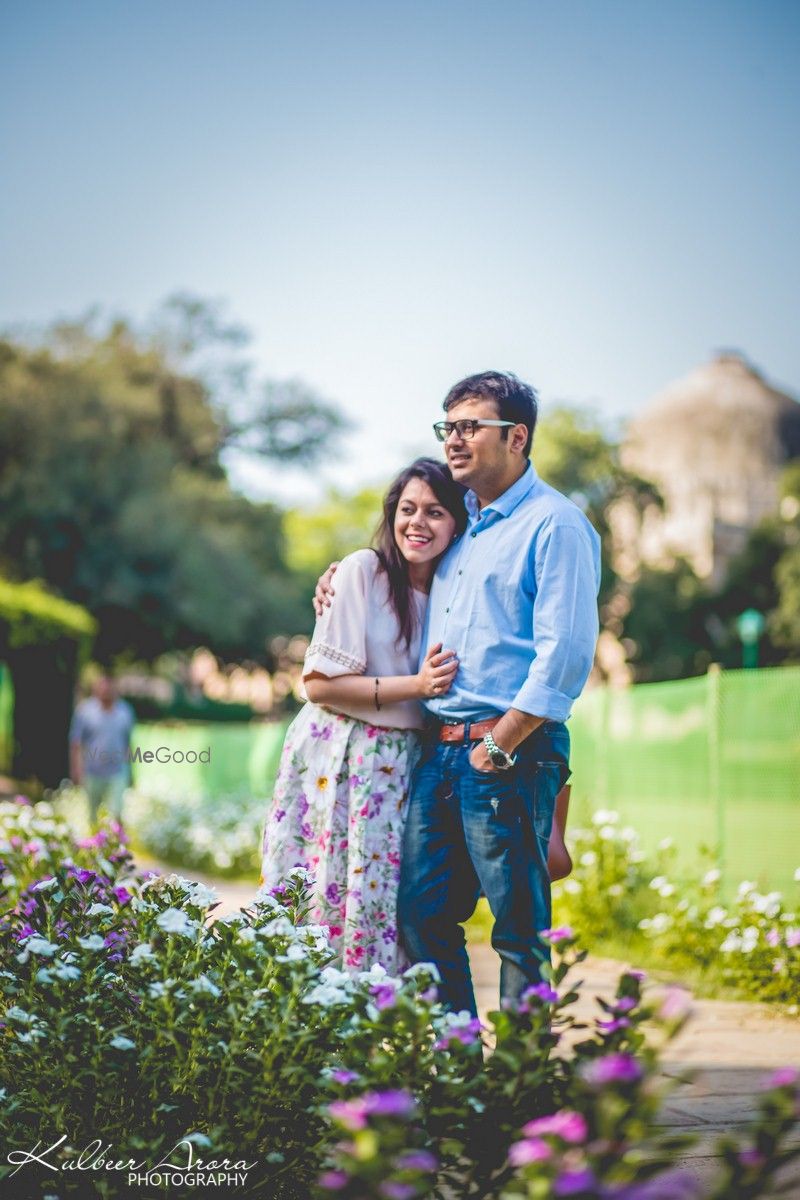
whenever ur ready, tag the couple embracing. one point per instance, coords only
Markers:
(424, 769)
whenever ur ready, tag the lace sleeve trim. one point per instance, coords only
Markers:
(356, 665)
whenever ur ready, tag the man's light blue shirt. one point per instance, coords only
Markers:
(516, 598)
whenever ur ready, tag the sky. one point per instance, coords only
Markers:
(595, 194)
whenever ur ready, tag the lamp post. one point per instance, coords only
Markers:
(750, 626)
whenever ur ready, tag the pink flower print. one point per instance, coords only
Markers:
(343, 844)
(335, 930)
(371, 731)
(364, 812)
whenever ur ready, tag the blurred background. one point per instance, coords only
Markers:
(247, 248)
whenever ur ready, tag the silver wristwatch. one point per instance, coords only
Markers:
(499, 758)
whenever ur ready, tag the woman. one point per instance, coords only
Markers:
(340, 796)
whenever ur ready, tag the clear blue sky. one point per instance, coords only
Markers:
(594, 194)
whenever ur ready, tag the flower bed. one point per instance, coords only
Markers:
(617, 894)
(129, 1017)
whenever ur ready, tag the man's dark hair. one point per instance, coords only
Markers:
(515, 401)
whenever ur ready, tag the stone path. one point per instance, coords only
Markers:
(729, 1047)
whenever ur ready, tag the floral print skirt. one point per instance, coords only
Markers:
(338, 809)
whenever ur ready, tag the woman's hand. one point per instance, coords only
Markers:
(324, 590)
(437, 672)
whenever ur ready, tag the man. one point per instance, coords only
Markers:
(99, 739)
(516, 599)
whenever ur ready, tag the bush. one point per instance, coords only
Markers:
(129, 1017)
(616, 893)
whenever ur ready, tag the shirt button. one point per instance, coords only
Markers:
(461, 572)
(473, 535)
(447, 610)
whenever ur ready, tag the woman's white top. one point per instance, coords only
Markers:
(359, 635)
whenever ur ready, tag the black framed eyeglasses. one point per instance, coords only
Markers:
(465, 428)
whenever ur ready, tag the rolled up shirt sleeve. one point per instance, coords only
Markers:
(338, 646)
(565, 621)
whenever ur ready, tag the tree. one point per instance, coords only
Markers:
(113, 488)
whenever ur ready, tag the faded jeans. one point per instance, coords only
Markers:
(469, 832)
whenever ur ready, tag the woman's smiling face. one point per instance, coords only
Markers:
(423, 527)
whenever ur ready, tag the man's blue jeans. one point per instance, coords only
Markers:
(469, 832)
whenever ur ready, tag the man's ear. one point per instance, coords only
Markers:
(518, 438)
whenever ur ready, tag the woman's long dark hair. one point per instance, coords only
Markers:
(450, 495)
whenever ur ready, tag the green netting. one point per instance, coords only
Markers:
(712, 761)
(243, 757)
(6, 719)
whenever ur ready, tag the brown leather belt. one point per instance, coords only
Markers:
(455, 733)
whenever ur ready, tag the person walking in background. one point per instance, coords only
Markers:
(99, 744)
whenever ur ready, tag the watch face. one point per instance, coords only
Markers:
(498, 758)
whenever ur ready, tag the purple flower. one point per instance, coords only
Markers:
(392, 1189)
(614, 1025)
(467, 1035)
(784, 1077)
(349, 1113)
(612, 1068)
(384, 994)
(568, 1125)
(792, 938)
(640, 976)
(542, 991)
(83, 874)
(562, 934)
(22, 800)
(121, 894)
(751, 1158)
(417, 1160)
(391, 1103)
(625, 1004)
(333, 1181)
(25, 932)
(671, 1185)
(528, 1151)
(90, 843)
(572, 1183)
(342, 1076)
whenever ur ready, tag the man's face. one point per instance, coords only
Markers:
(105, 690)
(484, 458)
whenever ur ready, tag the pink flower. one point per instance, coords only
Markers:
(773, 938)
(792, 938)
(751, 1158)
(676, 1004)
(568, 1125)
(333, 1181)
(529, 1151)
(612, 1068)
(784, 1077)
(562, 934)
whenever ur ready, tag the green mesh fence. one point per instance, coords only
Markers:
(243, 757)
(710, 762)
(6, 719)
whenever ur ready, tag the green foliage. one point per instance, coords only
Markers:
(665, 629)
(29, 614)
(342, 523)
(113, 488)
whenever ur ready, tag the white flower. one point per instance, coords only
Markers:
(605, 817)
(666, 843)
(296, 952)
(588, 859)
(326, 996)
(660, 922)
(301, 874)
(92, 942)
(333, 977)
(637, 856)
(645, 923)
(45, 885)
(750, 937)
(205, 985)
(14, 1013)
(711, 877)
(667, 890)
(141, 953)
(39, 945)
(731, 944)
(422, 968)
(606, 832)
(44, 975)
(376, 974)
(263, 899)
(95, 909)
(278, 927)
(246, 934)
(797, 875)
(716, 916)
(174, 920)
(202, 896)
(157, 989)
(572, 886)
(63, 971)
(122, 1043)
(616, 889)
(658, 882)
(745, 887)
(628, 834)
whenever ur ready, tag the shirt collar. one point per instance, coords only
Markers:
(508, 500)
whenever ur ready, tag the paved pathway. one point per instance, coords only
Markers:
(729, 1046)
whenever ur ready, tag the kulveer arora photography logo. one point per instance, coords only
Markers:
(162, 754)
(181, 1167)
